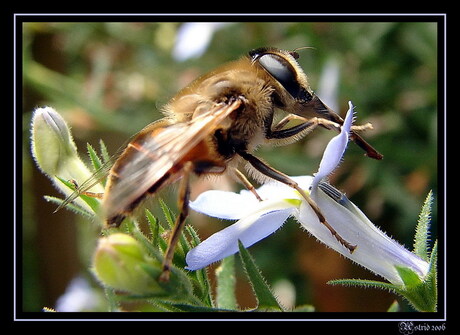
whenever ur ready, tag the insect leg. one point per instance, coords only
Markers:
(89, 194)
(370, 151)
(310, 124)
(247, 183)
(301, 129)
(281, 177)
(278, 133)
(286, 120)
(184, 197)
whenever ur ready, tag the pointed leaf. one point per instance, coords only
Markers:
(154, 227)
(201, 275)
(226, 282)
(104, 152)
(194, 308)
(74, 208)
(364, 283)
(169, 216)
(179, 254)
(92, 202)
(431, 280)
(434, 259)
(262, 291)
(95, 160)
(409, 277)
(422, 231)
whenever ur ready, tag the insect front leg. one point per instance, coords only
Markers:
(280, 125)
(277, 133)
(281, 177)
(305, 127)
(184, 197)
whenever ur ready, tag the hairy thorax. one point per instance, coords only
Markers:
(244, 128)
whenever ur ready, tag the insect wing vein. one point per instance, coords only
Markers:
(156, 156)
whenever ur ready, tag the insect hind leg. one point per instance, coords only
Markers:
(184, 197)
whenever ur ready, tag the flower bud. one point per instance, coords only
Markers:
(52, 143)
(55, 152)
(121, 263)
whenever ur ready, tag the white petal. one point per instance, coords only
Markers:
(334, 151)
(249, 230)
(234, 206)
(224, 205)
(375, 250)
(277, 190)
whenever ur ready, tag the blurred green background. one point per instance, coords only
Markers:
(109, 80)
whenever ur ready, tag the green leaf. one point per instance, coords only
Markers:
(95, 160)
(201, 276)
(304, 308)
(421, 294)
(169, 216)
(93, 203)
(264, 295)
(150, 247)
(183, 246)
(408, 276)
(434, 260)
(178, 289)
(70, 206)
(104, 152)
(195, 239)
(194, 308)
(154, 227)
(363, 283)
(421, 297)
(113, 304)
(431, 284)
(101, 164)
(394, 307)
(422, 235)
(226, 281)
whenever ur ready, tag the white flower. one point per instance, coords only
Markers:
(193, 38)
(258, 219)
(79, 296)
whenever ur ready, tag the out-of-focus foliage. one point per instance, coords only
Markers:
(109, 80)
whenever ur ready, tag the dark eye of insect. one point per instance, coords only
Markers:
(282, 71)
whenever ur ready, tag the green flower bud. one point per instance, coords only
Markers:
(55, 152)
(120, 262)
(52, 143)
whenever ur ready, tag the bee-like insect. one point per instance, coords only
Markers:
(214, 125)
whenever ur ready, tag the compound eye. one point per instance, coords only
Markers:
(282, 71)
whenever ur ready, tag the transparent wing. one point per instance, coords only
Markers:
(154, 153)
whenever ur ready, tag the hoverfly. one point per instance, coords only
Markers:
(214, 125)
